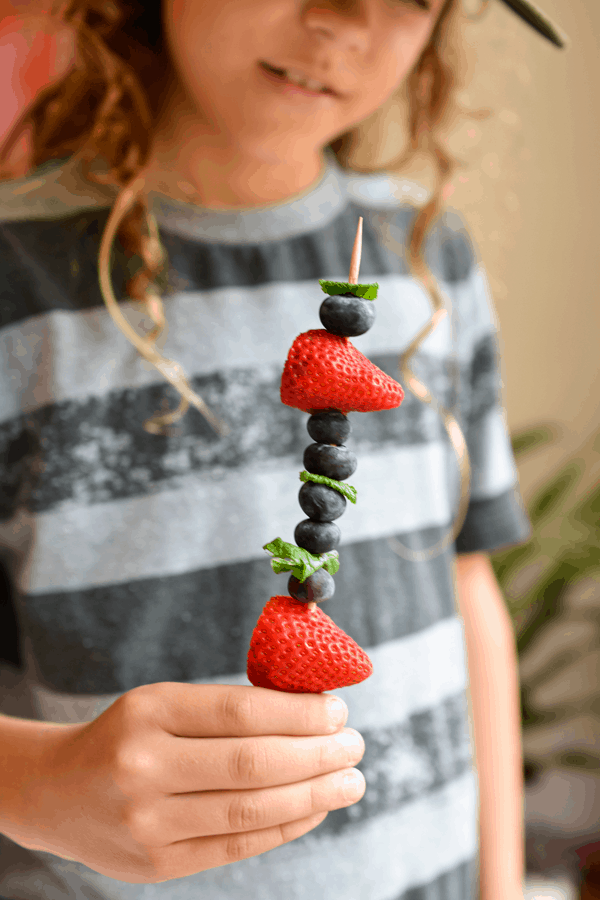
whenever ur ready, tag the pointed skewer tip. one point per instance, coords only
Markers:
(356, 254)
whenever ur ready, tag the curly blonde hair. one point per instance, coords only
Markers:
(106, 104)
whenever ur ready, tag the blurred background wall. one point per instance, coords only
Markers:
(535, 200)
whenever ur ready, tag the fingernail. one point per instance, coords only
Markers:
(349, 738)
(354, 778)
(338, 711)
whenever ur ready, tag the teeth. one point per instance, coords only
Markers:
(299, 78)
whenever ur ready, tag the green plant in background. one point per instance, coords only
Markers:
(565, 543)
(564, 547)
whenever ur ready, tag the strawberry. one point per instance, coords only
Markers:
(303, 651)
(324, 371)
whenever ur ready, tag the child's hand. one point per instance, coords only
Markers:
(174, 778)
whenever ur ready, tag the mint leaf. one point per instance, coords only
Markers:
(347, 490)
(331, 562)
(366, 291)
(301, 563)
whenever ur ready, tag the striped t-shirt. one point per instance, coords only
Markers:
(137, 558)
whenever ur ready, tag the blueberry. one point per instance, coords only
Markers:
(329, 427)
(317, 587)
(317, 537)
(321, 503)
(333, 462)
(347, 315)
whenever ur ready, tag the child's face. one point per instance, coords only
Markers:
(232, 56)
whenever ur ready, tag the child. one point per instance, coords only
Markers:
(134, 533)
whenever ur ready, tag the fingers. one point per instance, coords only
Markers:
(200, 854)
(190, 710)
(213, 764)
(184, 816)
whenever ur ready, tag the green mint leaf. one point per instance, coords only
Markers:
(366, 291)
(332, 561)
(278, 547)
(281, 565)
(301, 563)
(347, 490)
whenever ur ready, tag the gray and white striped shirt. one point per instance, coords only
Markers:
(137, 558)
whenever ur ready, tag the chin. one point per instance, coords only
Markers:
(278, 148)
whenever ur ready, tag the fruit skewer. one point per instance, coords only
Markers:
(296, 647)
(328, 457)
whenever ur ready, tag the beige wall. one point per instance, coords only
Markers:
(538, 220)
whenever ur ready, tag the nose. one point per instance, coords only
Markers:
(343, 22)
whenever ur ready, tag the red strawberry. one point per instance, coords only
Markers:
(302, 651)
(324, 371)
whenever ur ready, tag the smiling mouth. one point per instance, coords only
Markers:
(298, 79)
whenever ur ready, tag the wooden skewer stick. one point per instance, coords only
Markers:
(352, 279)
(356, 254)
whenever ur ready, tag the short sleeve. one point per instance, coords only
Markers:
(496, 516)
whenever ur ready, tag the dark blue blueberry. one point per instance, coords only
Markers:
(333, 462)
(347, 315)
(317, 587)
(317, 537)
(329, 427)
(321, 503)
